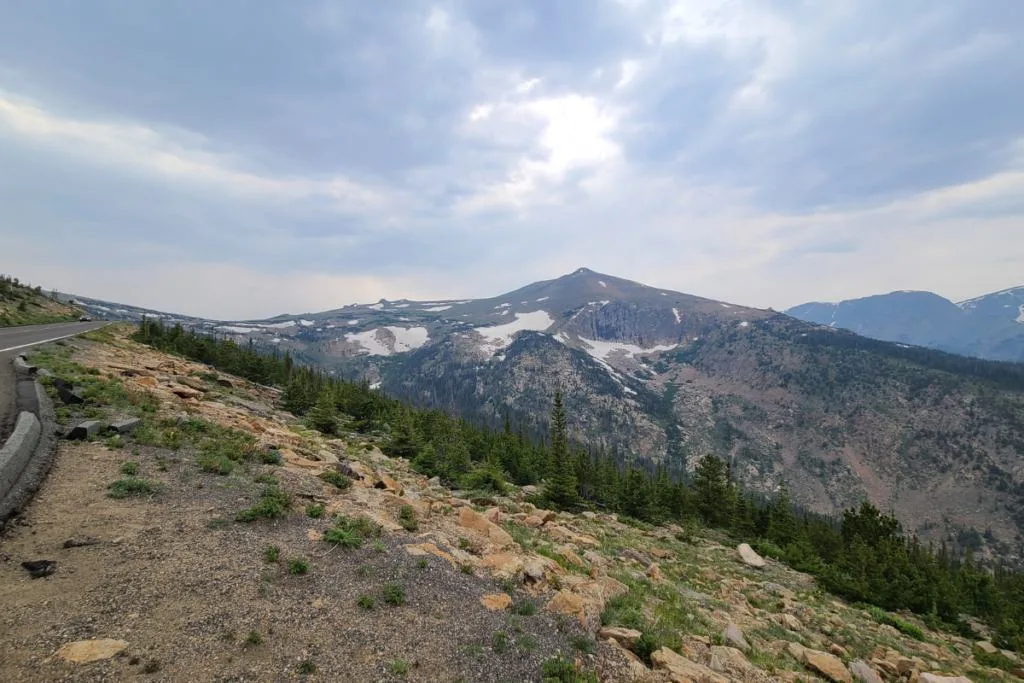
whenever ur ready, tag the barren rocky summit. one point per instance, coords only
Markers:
(219, 539)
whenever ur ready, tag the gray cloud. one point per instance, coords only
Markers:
(459, 148)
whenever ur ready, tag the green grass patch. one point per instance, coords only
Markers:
(335, 477)
(394, 594)
(274, 502)
(315, 510)
(408, 519)
(901, 625)
(130, 487)
(299, 566)
(351, 532)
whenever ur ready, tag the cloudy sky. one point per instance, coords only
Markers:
(238, 159)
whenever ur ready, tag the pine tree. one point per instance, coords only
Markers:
(561, 484)
(324, 415)
(715, 501)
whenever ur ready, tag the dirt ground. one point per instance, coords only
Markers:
(185, 587)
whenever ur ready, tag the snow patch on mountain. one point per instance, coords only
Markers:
(744, 324)
(307, 323)
(436, 309)
(498, 337)
(679, 318)
(504, 305)
(377, 344)
(233, 329)
(376, 307)
(543, 298)
(353, 322)
(280, 326)
(1020, 318)
(602, 283)
(601, 350)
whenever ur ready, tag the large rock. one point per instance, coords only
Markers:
(864, 673)
(732, 635)
(496, 602)
(789, 621)
(828, 665)
(729, 660)
(84, 430)
(504, 566)
(986, 647)
(471, 519)
(85, 651)
(624, 636)
(939, 678)
(682, 670)
(749, 557)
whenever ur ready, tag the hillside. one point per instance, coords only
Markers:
(989, 326)
(222, 539)
(21, 304)
(663, 378)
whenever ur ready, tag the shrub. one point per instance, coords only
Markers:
(407, 518)
(399, 667)
(366, 602)
(315, 510)
(559, 670)
(253, 639)
(394, 594)
(271, 457)
(905, 627)
(215, 463)
(271, 553)
(524, 607)
(298, 566)
(485, 478)
(337, 478)
(584, 644)
(422, 563)
(307, 667)
(499, 641)
(273, 503)
(129, 487)
(350, 532)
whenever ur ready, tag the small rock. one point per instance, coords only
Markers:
(532, 521)
(986, 647)
(496, 602)
(493, 515)
(37, 569)
(85, 651)
(660, 553)
(864, 673)
(749, 557)
(80, 542)
(225, 382)
(654, 573)
(939, 678)
(734, 636)
(533, 571)
(838, 650)
(84, 430)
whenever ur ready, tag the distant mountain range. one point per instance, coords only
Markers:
(989, 326)
(663, 378)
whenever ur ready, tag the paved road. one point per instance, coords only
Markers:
(14, 340)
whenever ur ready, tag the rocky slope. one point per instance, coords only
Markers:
(989, 326)
(665, 377)
(158, 580)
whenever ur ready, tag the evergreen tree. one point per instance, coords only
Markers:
(324, 415)
(561, 484)
(713, 491)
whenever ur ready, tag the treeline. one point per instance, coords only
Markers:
(864, 556)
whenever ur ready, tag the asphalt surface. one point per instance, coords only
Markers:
(15, 340)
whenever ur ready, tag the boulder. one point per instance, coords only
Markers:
(864, 673)
(682, 670)
(828, 665)
(939, 678)
(126, 426)
(732, 635)
(654, 573)
(790, 622)
(532, 521)
(729, 660)
(626, 637)
(660, 553)
(471, 519)
(533, 571)
(796, 651)
(504, 566)
(85, 651)
(66, 393)
(986, 647)
(387, 483)
(568, 603)
(496, 602)
(749, 557)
